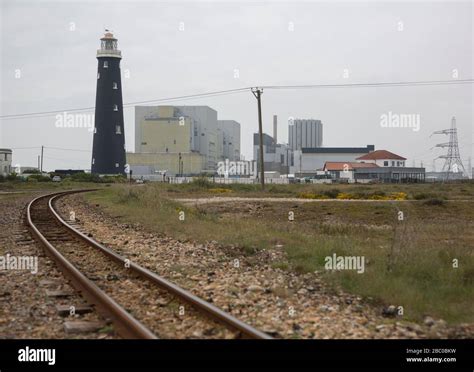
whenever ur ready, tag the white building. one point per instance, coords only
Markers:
(5, 161)
(376, 166)
(309, 160)
(383, 158)
(305, 133)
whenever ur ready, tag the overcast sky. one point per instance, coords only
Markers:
(48, 62)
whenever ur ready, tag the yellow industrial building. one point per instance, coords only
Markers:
(166, 134)
(191, 162)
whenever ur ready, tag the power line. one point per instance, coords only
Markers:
(369, 85)
(190, 96)
(244, 89)
(77, 161)
(47, 147)
(24, 148)
(64, 149)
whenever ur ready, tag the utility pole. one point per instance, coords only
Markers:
(257, 92)
(41, 168)
(469, 167)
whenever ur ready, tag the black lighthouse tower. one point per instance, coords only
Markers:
(108, 151)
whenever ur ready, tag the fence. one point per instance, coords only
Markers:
(228, 181)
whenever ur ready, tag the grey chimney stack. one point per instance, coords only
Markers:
(275, 129)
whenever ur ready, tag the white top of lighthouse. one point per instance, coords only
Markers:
(108, 46)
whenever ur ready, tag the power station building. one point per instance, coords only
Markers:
(182, 139)
(305, 133)
(108, 150)
(228, 140)
(276, 156)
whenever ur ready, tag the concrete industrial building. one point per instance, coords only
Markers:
(228, 140)
(305, 133)
(143, 164)
(165, 130)
(277, 156)
(309, 160)
(5, 161)
(166, 134)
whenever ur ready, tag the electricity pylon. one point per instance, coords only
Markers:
(453, 163)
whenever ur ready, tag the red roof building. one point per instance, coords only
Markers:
(346, 166)
(383, 158)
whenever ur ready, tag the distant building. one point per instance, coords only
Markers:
(376, 166)
(193, 131)
(177, 128)
(165, 130)
(276, 156)
(190, 163)
(228, 137)
(345, 170)
(5, 161)
(383, 158)
(305, 133)
(307, 161)
(390, 174)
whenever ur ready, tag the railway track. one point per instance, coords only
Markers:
(120, 289)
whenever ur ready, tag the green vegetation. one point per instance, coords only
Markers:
(38, 178)
(408, 262)
(449, 191)
(35, 181)
(91, 177)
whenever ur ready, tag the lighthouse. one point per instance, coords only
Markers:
(108, 149)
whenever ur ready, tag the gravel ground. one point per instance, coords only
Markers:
(281, 303)
(161, 312)
(25, 309)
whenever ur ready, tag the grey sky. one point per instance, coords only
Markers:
(58, 68)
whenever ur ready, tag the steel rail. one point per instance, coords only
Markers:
(199, 304)
(127, 325)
